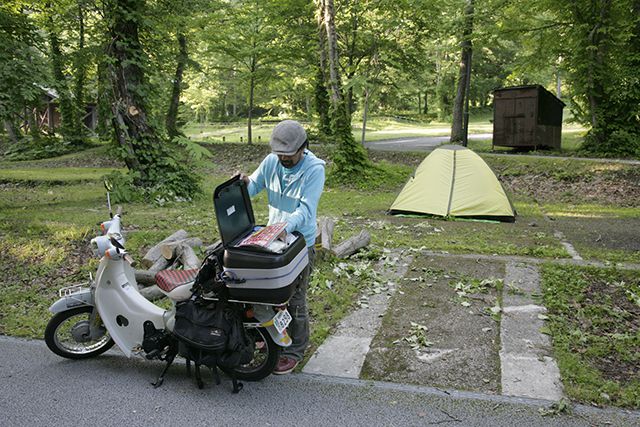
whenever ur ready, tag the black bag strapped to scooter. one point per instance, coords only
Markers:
(212, 334)
(209, 280)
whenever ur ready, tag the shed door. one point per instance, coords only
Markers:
(520, 122)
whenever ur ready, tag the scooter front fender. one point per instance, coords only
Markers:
(77, 299)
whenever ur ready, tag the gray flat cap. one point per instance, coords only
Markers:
(287, 137)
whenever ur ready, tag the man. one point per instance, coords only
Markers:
(294, 178)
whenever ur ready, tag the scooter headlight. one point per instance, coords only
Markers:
(101, 244)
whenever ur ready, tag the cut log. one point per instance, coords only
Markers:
(326, 232)
(152, 293)
(168, 250)
(156, 252)
(145, 278)
(188, 257)
(352, 244)
(160, 264)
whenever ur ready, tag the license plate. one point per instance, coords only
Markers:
(281, 320)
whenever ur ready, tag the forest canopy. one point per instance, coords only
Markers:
(135, 71)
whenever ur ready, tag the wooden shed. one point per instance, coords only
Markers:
(526, 117)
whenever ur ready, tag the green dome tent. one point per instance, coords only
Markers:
(454, 181)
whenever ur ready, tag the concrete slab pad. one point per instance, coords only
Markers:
(464, 340)
(363, 321)
(339, 356)
(521, 282)
(530, 377)
(520, 334)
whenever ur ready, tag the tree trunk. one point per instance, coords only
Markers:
(172, 114)
(351, 52)
(457, 126)
(234, 106)
(425, 108)
(332, 44)
(81, 72)
(321, 80)
(133, 132)
(598, 41)
(12, 132)
(252, 84)
(365, 110)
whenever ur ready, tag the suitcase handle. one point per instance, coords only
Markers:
(232, 278)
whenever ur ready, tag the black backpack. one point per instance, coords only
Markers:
(208, 280)
(212, 334)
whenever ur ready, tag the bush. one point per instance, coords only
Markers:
(619, 143)
(176, 186)
(30, 148)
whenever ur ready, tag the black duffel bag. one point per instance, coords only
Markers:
(212, 334)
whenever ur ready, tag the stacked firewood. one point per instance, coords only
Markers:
(174, 252)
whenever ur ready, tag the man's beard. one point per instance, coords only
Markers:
(287, 163)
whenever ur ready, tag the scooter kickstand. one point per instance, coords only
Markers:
(160, 379)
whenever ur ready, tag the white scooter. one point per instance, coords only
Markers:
(88, 320)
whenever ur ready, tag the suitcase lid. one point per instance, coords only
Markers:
(233, 210)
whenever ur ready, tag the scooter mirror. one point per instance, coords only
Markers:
(115, 242)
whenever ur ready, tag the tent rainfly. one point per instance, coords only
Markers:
(454, 181)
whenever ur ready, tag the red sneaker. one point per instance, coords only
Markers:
(285, 365)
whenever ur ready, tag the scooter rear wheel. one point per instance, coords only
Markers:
(265, 357)
(67, 335)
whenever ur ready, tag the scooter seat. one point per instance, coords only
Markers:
(168, 280)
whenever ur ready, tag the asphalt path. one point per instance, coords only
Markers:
(419, 143)
(40, 388)
(428, 143)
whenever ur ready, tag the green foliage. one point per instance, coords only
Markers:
(166, 180)
(193, 149)
(22, 66)
(621, 142)
(350, 160)
(381, 176)
(31, 148)
(595, 47)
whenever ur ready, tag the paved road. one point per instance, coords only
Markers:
(425, 143)
(39, 388)
(428, 143)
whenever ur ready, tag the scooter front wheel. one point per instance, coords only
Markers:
(67, 335)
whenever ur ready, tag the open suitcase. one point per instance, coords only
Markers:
(254, 274)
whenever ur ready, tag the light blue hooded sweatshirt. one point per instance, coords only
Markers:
(293, 193)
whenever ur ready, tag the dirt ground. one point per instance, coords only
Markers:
(622, 234)
(465, 339)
